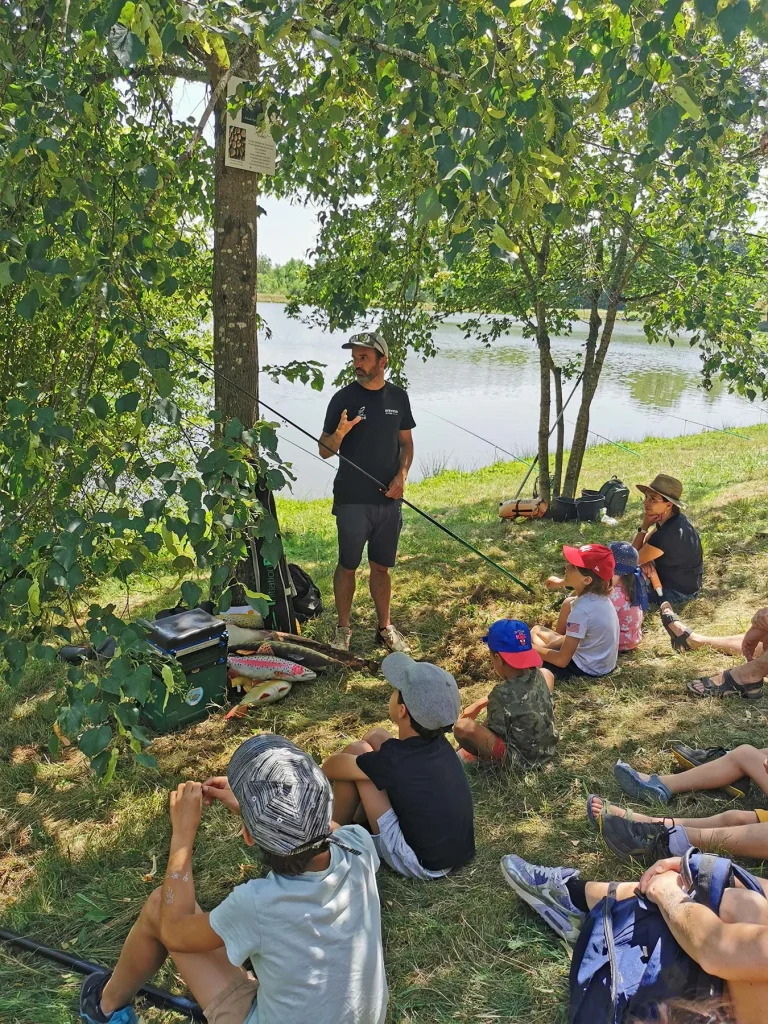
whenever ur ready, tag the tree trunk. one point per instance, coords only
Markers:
(545, 403)
(560, 435)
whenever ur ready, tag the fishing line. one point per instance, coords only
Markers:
(604, 438)
(478, 436)
(551, 432)
(382, 487)
(721, 430)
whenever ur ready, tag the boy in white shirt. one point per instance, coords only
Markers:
(585, 641)
(311, 927)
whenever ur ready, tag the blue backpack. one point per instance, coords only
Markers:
(627, 963)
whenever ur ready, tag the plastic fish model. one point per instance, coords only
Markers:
(262, 693)
(266, 666)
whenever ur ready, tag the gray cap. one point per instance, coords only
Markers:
(369, 339)
(285, 800)
(429, 692)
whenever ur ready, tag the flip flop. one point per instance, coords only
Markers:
(594, 818)
(728, 688)
(668, 616)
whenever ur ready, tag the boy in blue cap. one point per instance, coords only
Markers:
(520, 721)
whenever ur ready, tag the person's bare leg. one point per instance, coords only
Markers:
(726, 819)
(740, 761)
(748, 998)
(739, 841)
(546, 636)
(724, 644)
(346, 798)
(549, 679)
(375, 803)
(596, 891)
(749, 672)
(343, 592)
(380, 584)
(142, 955)
(475, 738)
(376, 737)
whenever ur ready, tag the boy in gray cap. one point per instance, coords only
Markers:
(311, 927)
(412, 790)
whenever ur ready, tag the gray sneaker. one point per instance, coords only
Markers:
(342, 638)
(544, 889)
(392, 639)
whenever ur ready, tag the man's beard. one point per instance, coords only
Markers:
(366, 378)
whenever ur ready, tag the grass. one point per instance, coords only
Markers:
(74, 854)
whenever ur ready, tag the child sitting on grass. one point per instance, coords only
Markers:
(585, 641)
(629, 595)
(520, 722)
(412, 790)
(311, 927)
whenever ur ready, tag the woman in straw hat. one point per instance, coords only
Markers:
(679, 560)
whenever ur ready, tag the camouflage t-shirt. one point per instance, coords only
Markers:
(521, 711)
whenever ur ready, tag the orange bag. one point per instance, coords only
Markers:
(527, 508)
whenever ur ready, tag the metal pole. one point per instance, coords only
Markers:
(158, 996)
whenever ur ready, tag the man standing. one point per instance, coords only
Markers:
(368, 422)
(681, 568)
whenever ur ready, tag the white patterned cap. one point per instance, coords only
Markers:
(286, 801)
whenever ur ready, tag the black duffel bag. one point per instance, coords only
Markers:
(307, 604)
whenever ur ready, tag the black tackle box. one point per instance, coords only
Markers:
(197, 640)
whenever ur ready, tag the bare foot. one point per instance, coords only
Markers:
(600, 806)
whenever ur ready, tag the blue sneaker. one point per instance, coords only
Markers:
(90, 1003)
(544, 889)
(650, 790)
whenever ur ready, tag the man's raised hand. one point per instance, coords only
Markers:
(346, 424)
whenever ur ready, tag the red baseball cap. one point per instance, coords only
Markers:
(596, 557)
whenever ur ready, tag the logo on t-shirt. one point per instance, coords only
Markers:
(361, 412)
(572, 627)
(392, 412)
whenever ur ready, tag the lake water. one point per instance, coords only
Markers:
(645, 390)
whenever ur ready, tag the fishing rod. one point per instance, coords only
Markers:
(158, 996)
(478, 436)
(721, 430)
(604, 438)
(382, 487)
(551, 432)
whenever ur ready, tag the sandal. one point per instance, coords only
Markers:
(593, 817)
(668, 616)
(707, 687)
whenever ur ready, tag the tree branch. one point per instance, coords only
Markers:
(399, 51)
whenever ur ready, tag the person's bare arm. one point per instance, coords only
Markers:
(343, 768)
(560, 656)
(475, 708)
(182, 930)
(565, 611)
(756, 634)
(734, 952)
(329, 443)
(396, 487)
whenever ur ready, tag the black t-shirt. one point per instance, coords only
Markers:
(373, 443)
(430, 795)
(682, 567)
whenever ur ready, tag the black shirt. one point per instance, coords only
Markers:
(428, 789)
(682, 567)
(373, 443)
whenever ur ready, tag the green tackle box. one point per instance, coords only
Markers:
(207, 686)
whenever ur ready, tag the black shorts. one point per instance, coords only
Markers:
(377, 525)
(569, 671)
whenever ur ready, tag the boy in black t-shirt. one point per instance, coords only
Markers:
(413, 789)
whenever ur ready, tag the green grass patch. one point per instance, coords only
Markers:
(74, 854)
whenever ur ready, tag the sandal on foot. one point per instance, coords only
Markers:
(648, 790)
(668, 616)
(594, 816)
(707, 687)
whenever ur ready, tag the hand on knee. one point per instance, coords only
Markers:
(462, 730)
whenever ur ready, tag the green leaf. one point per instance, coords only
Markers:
(27, 306)
(5, 275)
(163, 381)
(93, 741)
(129, 369)
(428, 206)
(682, 96)
(147, 760)
(191, 593)
(97, 404)
(126, 46)
(259, 602)
(663, 123)
(582, 59)
(148, 176)
(706, 8)
(128, 402)
(136, 685)
(732, 20)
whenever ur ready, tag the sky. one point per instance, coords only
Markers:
(288, 229)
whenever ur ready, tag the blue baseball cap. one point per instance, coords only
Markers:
(627, 559)
(511, 640)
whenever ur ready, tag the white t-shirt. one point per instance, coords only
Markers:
(314, 940)
(594, 623)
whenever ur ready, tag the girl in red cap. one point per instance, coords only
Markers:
(585, 641)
